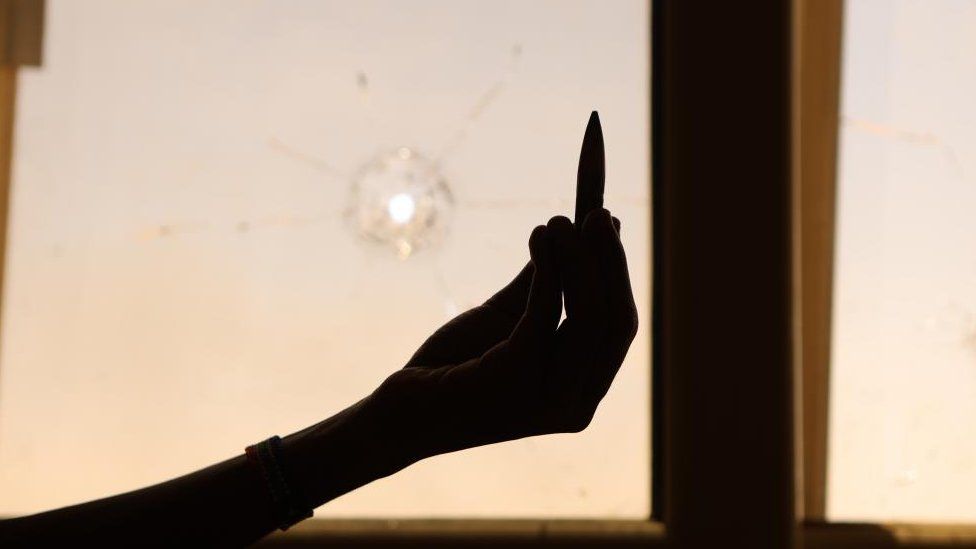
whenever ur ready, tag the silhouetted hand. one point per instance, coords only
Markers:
(508, 369)
(501, 371)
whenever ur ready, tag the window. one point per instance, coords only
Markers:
(728, 304)
(873, 114)
(184, 227)
(902, 440)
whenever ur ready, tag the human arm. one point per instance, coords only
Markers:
(504, 370)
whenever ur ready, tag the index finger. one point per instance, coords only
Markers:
(511, 299)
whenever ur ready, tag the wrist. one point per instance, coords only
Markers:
(342, 453)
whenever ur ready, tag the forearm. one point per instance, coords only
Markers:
(223, 504)
(226, 504)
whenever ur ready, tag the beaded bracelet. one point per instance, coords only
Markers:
(289, 505)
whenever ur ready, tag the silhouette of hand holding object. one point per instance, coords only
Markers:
(504, 370)
(508, 368)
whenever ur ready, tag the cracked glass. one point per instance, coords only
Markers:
(232, 222)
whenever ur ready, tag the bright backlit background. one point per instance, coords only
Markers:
(903, 388)
(181, 281)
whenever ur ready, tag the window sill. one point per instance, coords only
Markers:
(841, 535)
(471, 533)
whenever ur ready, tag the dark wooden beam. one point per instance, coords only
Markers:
(722, 208)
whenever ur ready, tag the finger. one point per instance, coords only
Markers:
(566, 246)
(583, 335)
(622, 310)
(543, 305)
(466, 336)
(595, 280)
(473, 332)
(511, 299)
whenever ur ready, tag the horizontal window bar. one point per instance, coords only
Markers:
(433, 531)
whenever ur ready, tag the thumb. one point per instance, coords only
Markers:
(541, 317)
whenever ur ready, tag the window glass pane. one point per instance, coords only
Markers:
(903, 402)
(182, 275)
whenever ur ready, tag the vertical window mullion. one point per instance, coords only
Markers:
(723, 270)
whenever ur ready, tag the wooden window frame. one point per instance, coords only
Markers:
(744, 102)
